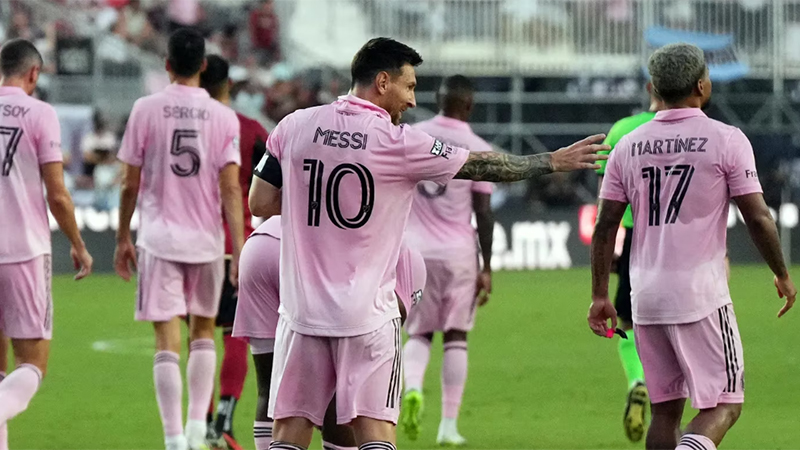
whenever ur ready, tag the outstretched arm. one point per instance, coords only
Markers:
(501, 167)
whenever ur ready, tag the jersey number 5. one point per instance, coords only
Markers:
(13, 135)
(317, 169)
(685, 172)
(180, 148)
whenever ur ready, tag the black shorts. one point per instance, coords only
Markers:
(623, 300)
(228, 300)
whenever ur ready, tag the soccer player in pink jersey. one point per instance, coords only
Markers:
(181, 158)
(233, 369)
(679, 172)
(257, 319)
(31, 161)
(440, 227)
(344, 175)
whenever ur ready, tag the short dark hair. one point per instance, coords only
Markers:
(379, 55)
(187, 50)
(675, 70)
(17, 57)
(215, 77)
(455, 93)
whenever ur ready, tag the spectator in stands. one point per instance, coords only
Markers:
(184, 13)
(134, 25)
(21, 26)
(227, 41)
(264, 32)
(99, 157)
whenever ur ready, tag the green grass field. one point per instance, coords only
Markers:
(538, 377)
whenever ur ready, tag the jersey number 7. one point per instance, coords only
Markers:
(14, 134)
(685, 172)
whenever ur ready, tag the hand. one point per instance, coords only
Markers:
(599, 312)
(580, 155)
(233, 273)
(786, 289)
(125, 258)
(82, 261)
(483, 287)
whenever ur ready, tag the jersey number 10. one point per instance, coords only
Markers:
(685, 172)
(315, 200)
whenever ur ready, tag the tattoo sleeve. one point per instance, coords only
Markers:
(603, 240)
(500, 167)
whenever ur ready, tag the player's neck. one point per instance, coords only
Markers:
(193, 81)
(368, 95)
(14, 82)
(455, 115)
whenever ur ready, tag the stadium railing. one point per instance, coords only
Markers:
(543, 37)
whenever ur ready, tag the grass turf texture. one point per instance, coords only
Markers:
(538, 377)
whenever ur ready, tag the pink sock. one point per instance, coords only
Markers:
(169, 392)
(416, 354)
(328, 446)
(454, 376)
(200, 376)
(3, 427)
(17, 390)
(262, 433)
(695, 442)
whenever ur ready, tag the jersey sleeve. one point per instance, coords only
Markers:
(48, 141)
(134, 140)
(429, 159)
(230, 153)
(740, 166)
(613, 187)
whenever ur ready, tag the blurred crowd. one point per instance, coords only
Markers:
(249, 34)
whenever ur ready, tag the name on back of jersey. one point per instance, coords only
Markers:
(8, 110)
(185, 112)
(341, 139)
(669, 146)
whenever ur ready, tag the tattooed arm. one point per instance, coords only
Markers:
(493, 166)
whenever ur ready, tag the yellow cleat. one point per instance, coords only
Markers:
(411, 414)
(635, 410)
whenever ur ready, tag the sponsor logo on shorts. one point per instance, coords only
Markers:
(416, 297)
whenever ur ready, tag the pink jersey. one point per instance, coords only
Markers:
(30, 136)
(348, 179)
(440, 225)
(181, 138)
(679, 172)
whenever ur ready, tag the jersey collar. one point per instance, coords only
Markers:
(449, 122)
(11, 90)
(181, 89)
(671, 115)
(356, 103)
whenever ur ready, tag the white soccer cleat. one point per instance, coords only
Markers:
(176, 443)
(448, 435)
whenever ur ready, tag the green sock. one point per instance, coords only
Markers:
(630, 360)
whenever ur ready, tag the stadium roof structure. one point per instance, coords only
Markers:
(723, 64)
